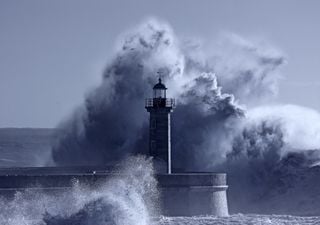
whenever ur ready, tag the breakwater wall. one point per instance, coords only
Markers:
(181, 194)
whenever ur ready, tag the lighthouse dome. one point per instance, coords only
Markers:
(159, 85)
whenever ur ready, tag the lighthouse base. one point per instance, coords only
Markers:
(190, 194)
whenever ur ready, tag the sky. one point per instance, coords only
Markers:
(52, 53)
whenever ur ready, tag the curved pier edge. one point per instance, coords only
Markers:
(191, 194)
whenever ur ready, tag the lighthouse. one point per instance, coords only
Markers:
(160, 107)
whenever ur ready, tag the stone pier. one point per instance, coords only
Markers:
(181, 194)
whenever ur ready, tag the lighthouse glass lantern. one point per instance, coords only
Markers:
(159, 90)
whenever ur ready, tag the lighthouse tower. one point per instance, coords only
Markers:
(160, 108)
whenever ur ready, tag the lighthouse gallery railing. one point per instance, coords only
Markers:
(160, 102)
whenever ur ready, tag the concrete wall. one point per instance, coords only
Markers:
(193, 194)
(184, 194)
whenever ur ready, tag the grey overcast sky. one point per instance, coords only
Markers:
(53, 52)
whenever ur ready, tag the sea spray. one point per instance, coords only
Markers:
(130, 197)
(212, 86)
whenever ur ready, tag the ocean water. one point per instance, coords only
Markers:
(239, 219)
